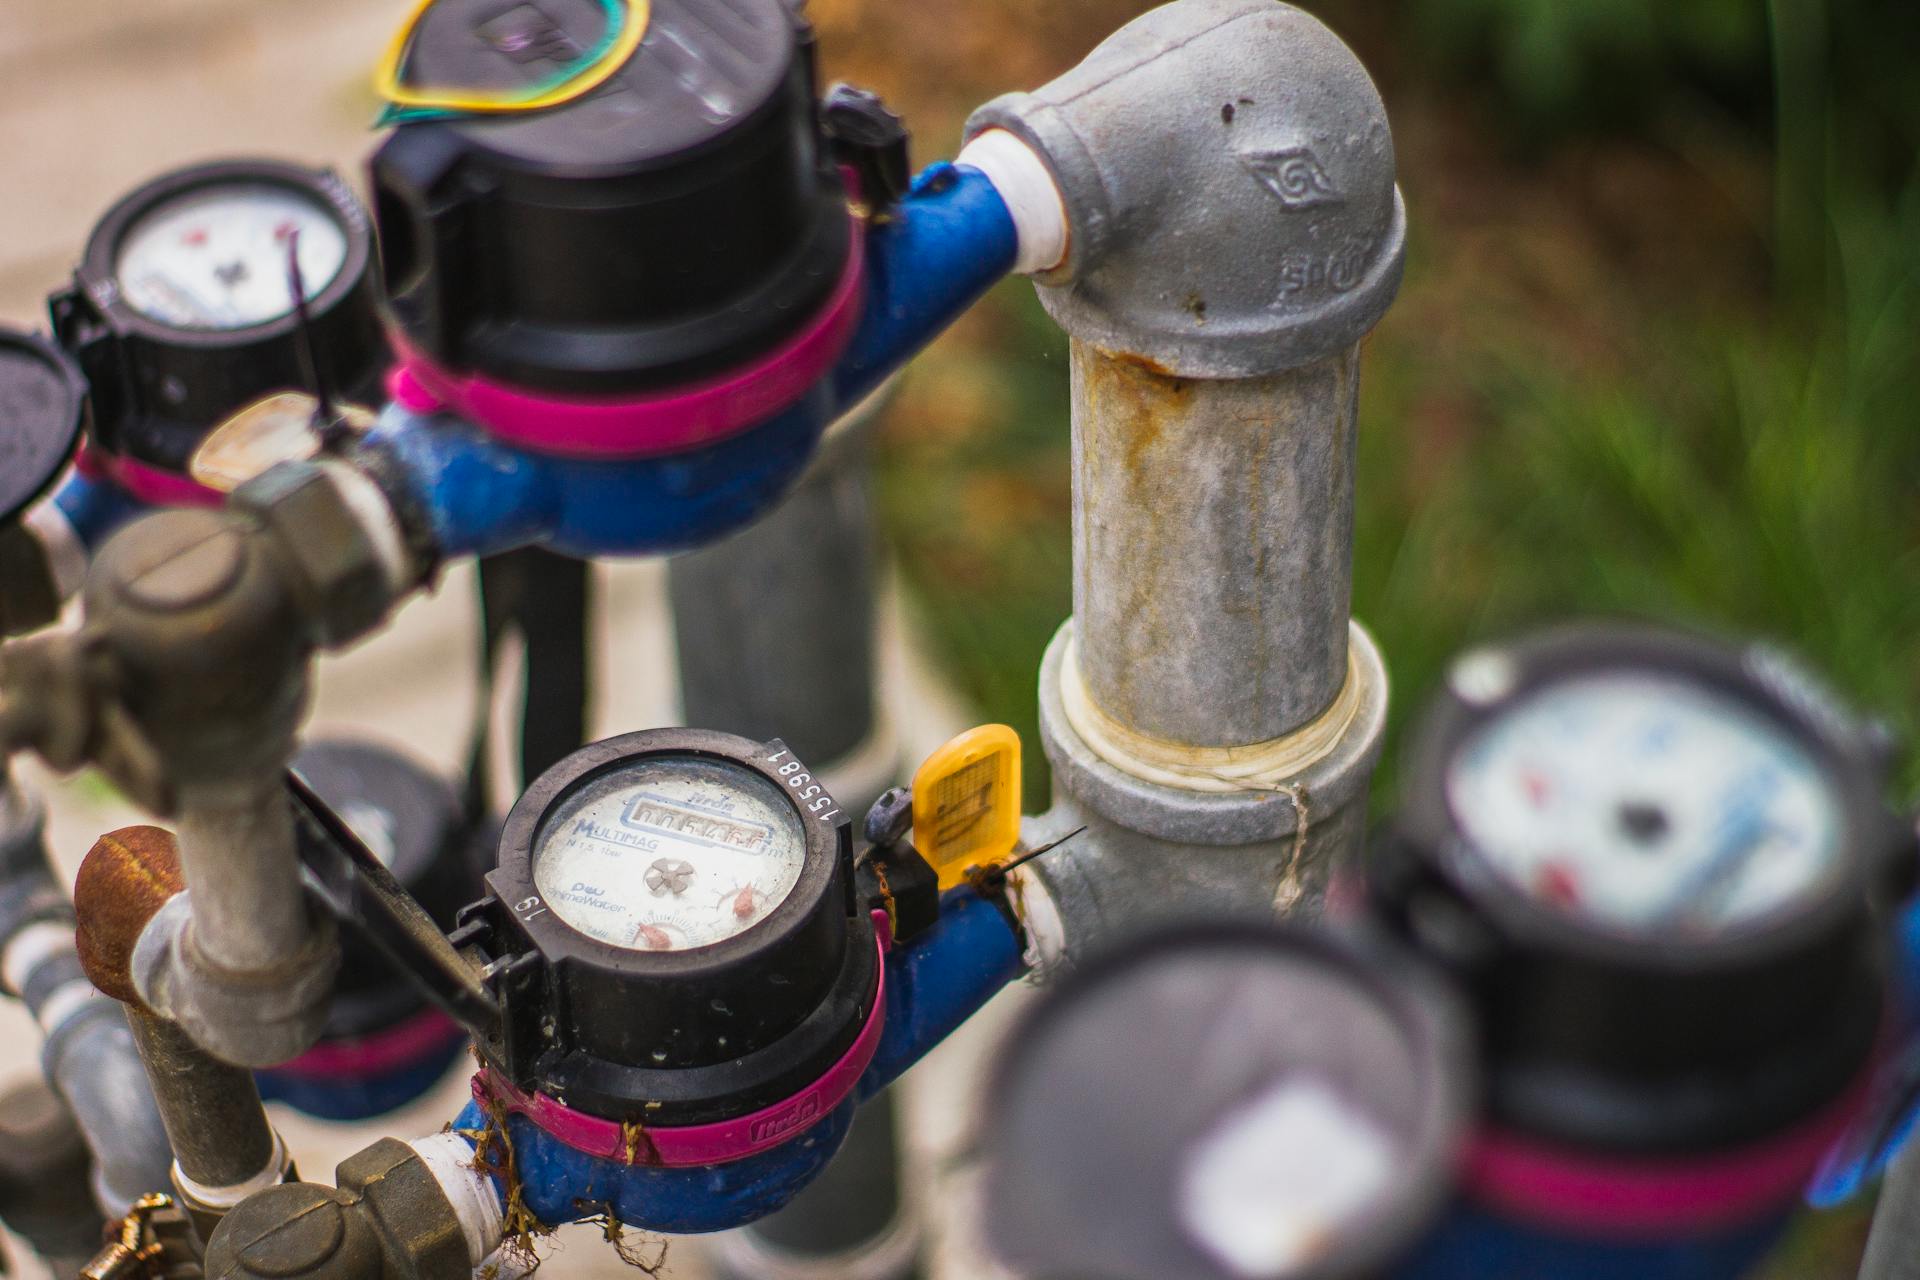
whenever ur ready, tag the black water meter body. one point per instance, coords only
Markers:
(673, 931)
(677, 222)
(1652, 860)
(181, 311)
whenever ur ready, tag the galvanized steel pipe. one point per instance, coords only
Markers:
(1213, 545)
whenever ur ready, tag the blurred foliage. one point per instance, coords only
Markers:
(1572, 62)
(1657, 354)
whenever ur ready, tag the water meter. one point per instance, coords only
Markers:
(676, 943)
(1652, 861)
(43, 405)
(181, 311)
(668, 259)
(1227, 1103)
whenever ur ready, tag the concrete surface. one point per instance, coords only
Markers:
(96, 96)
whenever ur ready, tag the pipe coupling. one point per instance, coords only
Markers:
(390, 1216)
(1228, 176)
(1259, 766)
(250, 1019)
(135, 945)
(1218, 796)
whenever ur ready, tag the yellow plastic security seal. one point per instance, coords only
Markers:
(966, 802)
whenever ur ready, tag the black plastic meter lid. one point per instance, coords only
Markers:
(43, 405)
(411, 820)
(1225, 1103)
(676, 222)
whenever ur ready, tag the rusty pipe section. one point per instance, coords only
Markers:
(1212, 712)
(224, 1147)
(1213, 547)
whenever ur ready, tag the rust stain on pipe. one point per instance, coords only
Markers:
(125, 879)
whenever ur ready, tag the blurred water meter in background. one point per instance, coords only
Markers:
(1227, 1102)
(43, 405)
(1654, 863)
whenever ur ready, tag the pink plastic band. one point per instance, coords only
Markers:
(693, 415)
(151, 485)
(402, 1045)
(1551, 1185)
(700, 1144)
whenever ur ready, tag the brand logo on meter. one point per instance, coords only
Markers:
(646, 812)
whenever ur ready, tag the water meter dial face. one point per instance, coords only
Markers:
(216, 258)
(1644, 803)
(671, 854)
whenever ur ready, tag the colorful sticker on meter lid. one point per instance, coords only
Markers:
(966, 802)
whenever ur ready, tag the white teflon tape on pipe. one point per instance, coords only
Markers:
(1040, 917)
(1032, 197)
(225, 1198)
(1259, 766)
(449, 1158)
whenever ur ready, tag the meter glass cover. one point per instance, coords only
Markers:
(1647, 804)
(215, 258)
(669, 853)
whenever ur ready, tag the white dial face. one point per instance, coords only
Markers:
(1647, 805)
(674, 853)
(216, 257)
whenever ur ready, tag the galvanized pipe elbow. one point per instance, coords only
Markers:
(1228, 177)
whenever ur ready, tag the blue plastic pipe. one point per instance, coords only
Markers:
(96, 507)
(937, 251)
